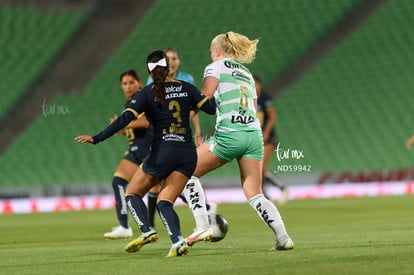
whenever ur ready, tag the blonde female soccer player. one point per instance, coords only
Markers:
(237, 136)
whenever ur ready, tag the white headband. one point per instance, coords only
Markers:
(161, 62)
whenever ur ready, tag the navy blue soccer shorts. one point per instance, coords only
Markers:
(162, 161)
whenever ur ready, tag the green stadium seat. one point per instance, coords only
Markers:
(367, 91)
(29, 41)
(286, 29)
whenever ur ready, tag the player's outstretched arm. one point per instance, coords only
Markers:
(84, 138)
(121, 122)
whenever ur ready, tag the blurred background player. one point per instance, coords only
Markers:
(174, 73)
(266, 114)
(139, 135)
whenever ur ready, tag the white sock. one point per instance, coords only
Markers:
(194, 194)
(270, 215)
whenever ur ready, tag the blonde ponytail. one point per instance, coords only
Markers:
(237, 46)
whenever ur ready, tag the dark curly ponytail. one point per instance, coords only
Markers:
(157, 65)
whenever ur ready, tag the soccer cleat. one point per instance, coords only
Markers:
(285, 245)
(147, 237)
(284, 196)
(119, 232)
(179, 248)
(200, 235)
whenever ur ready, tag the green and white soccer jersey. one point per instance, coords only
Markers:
(234, 96)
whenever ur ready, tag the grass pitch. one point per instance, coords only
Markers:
(335, 236)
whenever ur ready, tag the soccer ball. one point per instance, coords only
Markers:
(219, 226)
